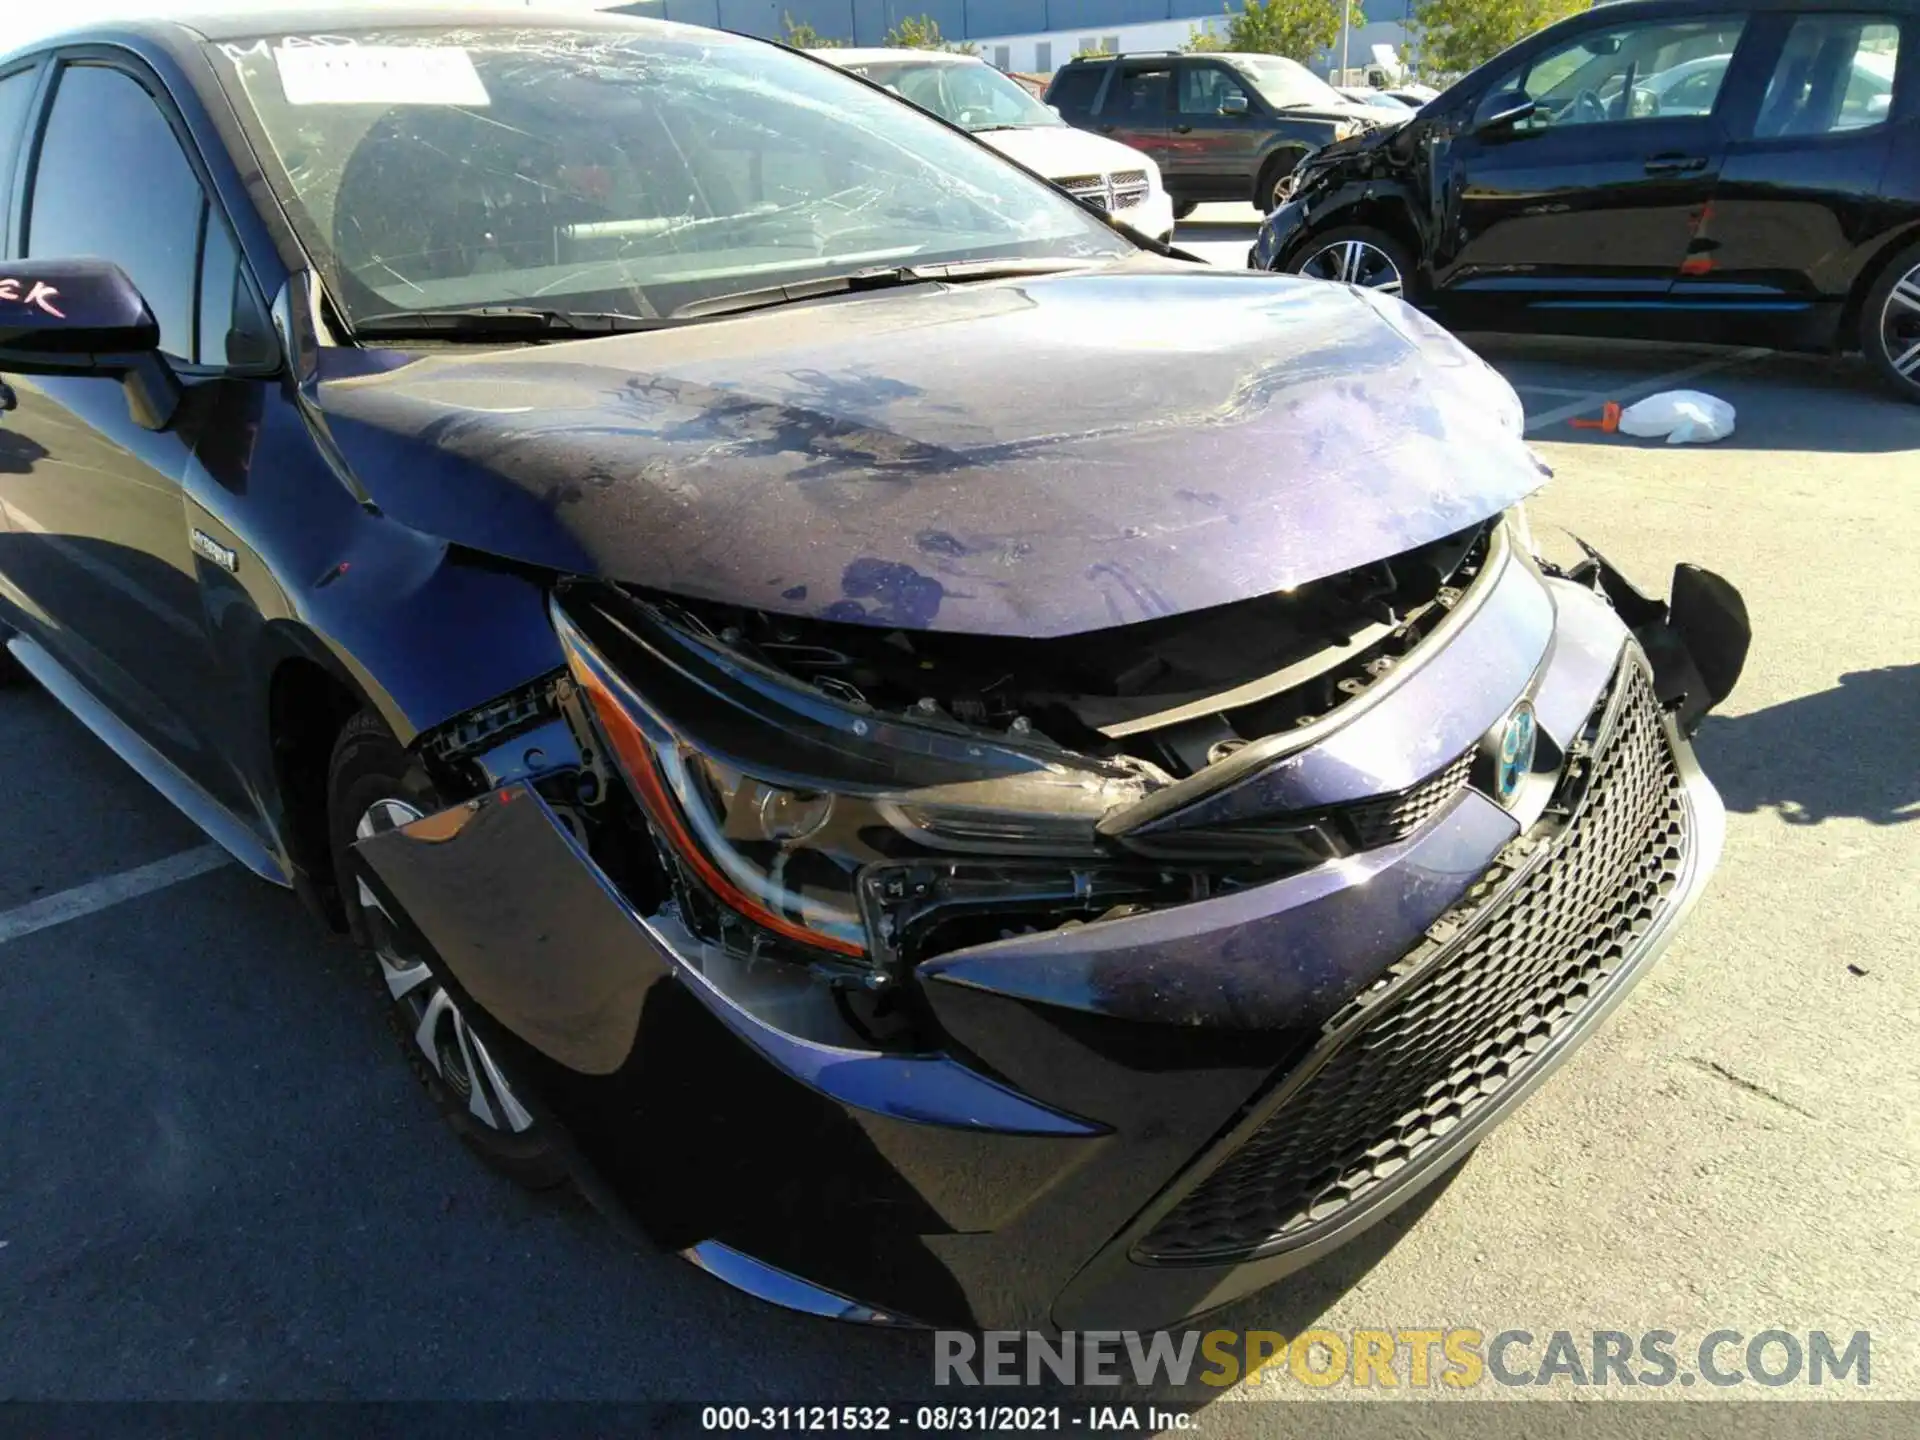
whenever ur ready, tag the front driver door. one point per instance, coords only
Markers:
(1586, 208)
(103, 561)
(1215, 136)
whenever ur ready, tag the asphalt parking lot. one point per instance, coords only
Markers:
(219, 1181)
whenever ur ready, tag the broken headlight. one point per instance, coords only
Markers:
(804, 826)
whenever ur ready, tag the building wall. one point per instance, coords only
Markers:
(1023, 51)
(1019, 25)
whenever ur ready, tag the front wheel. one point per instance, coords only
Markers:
(1890, 324)
(374, 786)
(1356, 255)
(1275, 185)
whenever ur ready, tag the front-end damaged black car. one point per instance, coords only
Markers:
(958, 770)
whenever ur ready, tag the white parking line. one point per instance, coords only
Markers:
(1595, 399)
(110, 890)
(1528, 388)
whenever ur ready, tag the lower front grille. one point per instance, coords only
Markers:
(1477, 1008)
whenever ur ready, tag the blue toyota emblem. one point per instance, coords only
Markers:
(1514, 759)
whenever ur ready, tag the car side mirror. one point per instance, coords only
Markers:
(1503, 112)
(85, 317)
(1234, 106)
(65, 312)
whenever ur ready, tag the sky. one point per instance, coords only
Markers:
(26, 23)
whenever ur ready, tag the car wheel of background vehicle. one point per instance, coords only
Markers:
(1275, 185)
(1890, 324)
(1356, 255)
(373, 785)
(1183, 208)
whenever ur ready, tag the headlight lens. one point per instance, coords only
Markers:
(851, 868)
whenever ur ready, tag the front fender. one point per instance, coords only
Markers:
(1315, 211)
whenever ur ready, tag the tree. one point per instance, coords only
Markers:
(1456, 35)
(802, 36)
(1298, 29)
(1093, 51)
(922, 32)
(1199, 41)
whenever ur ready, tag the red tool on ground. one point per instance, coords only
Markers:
(1609, 420)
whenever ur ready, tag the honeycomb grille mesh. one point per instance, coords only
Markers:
(1455, 1022)
(1388, 818)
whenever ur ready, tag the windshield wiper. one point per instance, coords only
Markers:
(490, 322)
(879, 278)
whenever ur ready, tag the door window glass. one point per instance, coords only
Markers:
(1139, 96)
(1835, 73)
(1205, 89)
(233, 325)
(1624, 72)
(1074, 89)
(16, 93)
(113, 182)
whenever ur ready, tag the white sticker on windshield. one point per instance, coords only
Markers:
(378, 75)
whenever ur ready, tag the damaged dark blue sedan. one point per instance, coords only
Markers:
(958, 766)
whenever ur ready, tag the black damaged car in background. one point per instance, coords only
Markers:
(1662, 169)
(956, 769)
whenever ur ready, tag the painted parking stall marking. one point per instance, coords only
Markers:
(110, 890)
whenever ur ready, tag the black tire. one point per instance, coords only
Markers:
(1305, 257)
(369, 767)
(1183, 208)
(1271, 190)
(1890, 324)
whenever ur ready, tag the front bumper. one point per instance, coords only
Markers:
(1278, 234)
(1134, 1120)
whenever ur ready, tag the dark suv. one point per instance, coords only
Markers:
(1663, 169)
(1222, 127)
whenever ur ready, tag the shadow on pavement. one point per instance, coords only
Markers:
(1848, 751)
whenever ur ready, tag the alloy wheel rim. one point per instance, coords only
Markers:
(1354, 262)
(1282, 192)
(458, 1056)
(1900, 327)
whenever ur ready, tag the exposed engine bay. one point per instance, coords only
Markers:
(1179, 692)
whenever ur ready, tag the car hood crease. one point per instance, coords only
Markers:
(1033, 457)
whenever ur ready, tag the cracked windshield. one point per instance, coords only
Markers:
(438, 169)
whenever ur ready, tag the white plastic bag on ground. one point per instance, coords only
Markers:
(1680, 415)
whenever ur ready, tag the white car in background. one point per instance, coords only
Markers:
(966, 91)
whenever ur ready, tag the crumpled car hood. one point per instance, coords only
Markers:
(1032, 457)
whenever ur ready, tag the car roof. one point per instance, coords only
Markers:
(1634, 9)
(880, 54)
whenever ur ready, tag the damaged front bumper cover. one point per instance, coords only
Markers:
(1103, 1138)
